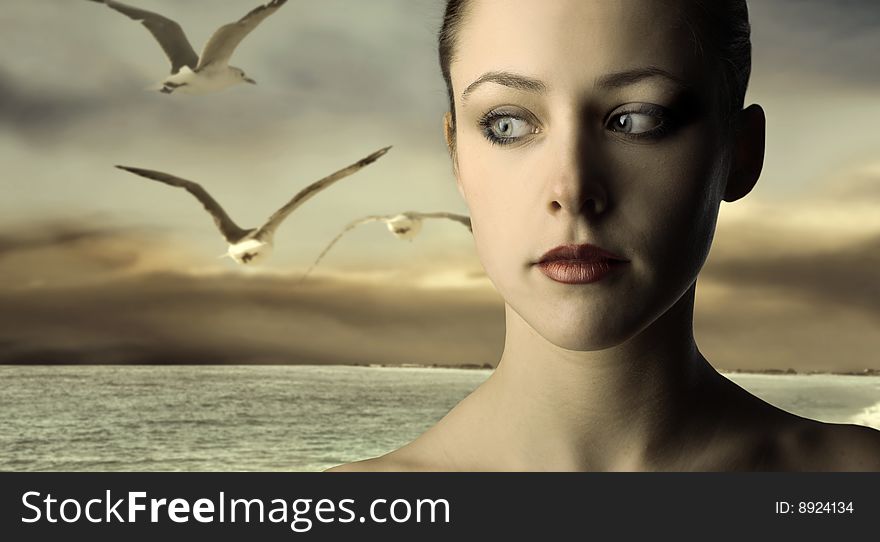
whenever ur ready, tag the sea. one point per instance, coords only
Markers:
(282, 418)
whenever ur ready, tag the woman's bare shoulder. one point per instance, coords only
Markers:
(400, 460)
(819, 446)
(427, 453)
(375, 464)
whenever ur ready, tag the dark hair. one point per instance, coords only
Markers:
(447, 40)
(720, 29)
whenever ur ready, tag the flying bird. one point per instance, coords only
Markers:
(191, 73)
(405, 225)
(247, 246)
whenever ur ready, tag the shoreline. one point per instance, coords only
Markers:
(463, 366)
(487, 366)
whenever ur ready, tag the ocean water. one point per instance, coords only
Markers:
(292, 418)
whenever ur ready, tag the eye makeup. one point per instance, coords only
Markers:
(661, 121)
(634, 121)
(502, 118)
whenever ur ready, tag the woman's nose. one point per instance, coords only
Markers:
(576, 185)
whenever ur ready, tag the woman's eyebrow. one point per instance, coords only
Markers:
(631, 77)
(611, 80)
(508, 79)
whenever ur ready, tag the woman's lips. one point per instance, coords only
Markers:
(579, 264)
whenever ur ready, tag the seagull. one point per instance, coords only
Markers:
(405, 225)
(190, 73)
(247, 246)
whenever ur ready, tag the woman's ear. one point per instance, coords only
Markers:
(748, 153)
(449, 134)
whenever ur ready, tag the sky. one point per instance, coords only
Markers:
(99, 266)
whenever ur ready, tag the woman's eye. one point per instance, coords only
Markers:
(635, 123)
(504, 129)
(642, 120)
(507, 127)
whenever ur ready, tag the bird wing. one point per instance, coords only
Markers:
(351, 225)
(463, 219)
(306, 193)
(168, 33)
(223, 42)
(228, 228)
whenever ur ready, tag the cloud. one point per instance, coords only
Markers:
(859, 185)
(51, 234)
(36, 112)
(173, 318)
(845, 276)
(361, 61)
(822, 247)
(742, 326)
(824, 40)
(68, 252)
(793, 282)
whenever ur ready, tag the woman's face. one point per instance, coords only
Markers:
(587, 122)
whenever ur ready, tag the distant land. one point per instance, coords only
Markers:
(467, 366)
(486, 366)
(790, 371)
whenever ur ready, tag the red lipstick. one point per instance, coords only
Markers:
(579, 264)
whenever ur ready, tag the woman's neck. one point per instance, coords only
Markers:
(622, 408)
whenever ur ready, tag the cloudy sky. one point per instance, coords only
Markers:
(99, 266)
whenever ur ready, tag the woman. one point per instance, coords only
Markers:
(594, 142)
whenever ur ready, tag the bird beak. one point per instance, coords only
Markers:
(249, 80)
